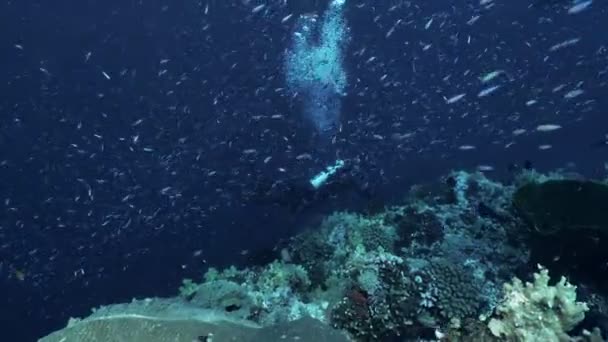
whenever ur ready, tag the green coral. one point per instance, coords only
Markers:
(536, 311)
(279, 274)
(557, 205)
(231, 273)
(569, 218)
(188, 288)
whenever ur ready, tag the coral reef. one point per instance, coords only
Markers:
(431, 268)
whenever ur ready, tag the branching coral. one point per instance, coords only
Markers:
(536, 311)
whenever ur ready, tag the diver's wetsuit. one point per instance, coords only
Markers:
(298, 194)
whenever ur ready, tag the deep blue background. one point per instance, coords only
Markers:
(69, 128)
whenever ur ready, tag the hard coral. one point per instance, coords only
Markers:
(353, 314)
(451, 290)
(312, 252)
(231, 298)
(536, 311)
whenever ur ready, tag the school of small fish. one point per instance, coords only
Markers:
(163, 140)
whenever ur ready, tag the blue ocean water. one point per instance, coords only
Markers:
(133, 132)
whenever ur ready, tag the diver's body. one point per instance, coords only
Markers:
(298, 194)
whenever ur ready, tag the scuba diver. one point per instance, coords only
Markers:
(298, 194)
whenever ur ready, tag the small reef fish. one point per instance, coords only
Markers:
(491, 75)
(579, 7)
(548, 127)
(455, 98)
(488, 91)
